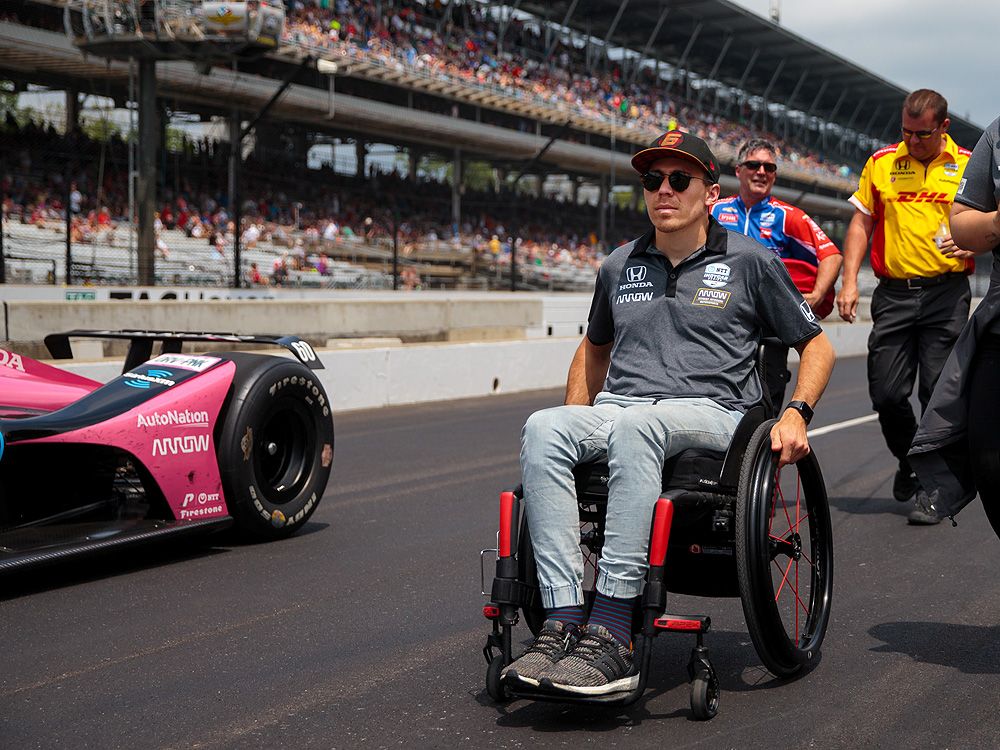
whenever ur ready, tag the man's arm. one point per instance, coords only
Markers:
(826, 276)
(971, 229)
(859, 231)
(587, 372)
(816, 360)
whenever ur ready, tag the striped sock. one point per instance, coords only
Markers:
(615, 615)
(574, 616)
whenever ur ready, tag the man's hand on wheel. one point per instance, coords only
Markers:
(789, 437)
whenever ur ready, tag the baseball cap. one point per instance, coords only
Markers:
(679, 144)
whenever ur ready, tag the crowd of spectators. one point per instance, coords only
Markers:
(462, 41)
(296, 211)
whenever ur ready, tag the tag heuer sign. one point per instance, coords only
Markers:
(225, 18)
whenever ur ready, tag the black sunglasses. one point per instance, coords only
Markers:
(678, 181)
(753, 166)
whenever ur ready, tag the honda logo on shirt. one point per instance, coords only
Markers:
(636, 274)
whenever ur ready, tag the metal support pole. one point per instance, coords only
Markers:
(611, 192)
(614, 24)
(790, 101)
(893, 122)
(360, 152)
(741, 85)
(149, 132)
(812, 107)
(687, 51)
(611, 30)
(3, 260)
(456, 190)
(850, 123)
(555, 37)
(602, 210)
(67, 193)
(235, 157)
(767, 91)
(871, 121)
(649, 43)
(513, 261)
(714, 75)
(395, 248)
(829, 120)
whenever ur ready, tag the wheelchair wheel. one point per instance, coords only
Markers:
(784, 555)
(494, 685)
(704, 697)
(591, 542)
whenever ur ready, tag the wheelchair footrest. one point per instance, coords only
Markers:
(683, 623)
(539, 694)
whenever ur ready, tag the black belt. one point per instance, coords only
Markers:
(921, 281)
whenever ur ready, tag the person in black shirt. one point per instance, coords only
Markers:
(957, 446)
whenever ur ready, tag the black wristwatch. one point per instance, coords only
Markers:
(802, 408)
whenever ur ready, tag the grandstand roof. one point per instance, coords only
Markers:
(724, 41)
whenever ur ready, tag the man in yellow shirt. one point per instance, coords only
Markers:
(922, 299)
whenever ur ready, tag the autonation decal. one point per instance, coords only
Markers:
(173, 418)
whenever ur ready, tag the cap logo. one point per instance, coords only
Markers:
(671, 139)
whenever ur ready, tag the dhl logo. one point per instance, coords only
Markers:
(908, 196)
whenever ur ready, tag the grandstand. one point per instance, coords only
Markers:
(542, 102)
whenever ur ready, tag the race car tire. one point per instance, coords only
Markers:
(275, 445)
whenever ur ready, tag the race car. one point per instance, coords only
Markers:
(178, 444)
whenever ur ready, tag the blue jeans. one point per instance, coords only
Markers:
(635, 435)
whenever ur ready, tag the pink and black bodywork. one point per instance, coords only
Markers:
(177, 444)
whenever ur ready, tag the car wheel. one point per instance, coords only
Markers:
(275, 446)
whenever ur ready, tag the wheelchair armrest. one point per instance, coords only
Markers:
(730, 478)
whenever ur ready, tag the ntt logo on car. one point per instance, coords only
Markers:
(200, 504)
(173, 418)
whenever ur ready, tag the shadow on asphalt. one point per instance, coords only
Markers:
(972, 649)
(871, 506)
(231, 536)
(157, 554)
(105, 565)
(732, 656)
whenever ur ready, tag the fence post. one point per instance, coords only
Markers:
(3, 259)
(68, 197)
(395, 248)
(235, 157)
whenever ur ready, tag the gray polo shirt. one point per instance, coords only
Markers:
(980, 185)
(693, 330)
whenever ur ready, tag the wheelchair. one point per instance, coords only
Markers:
(725, 525)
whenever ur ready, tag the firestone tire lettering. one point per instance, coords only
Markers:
(276, 446)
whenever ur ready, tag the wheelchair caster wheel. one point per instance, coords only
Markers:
(705, 696)
(495, 687)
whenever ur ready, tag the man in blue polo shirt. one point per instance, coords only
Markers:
(667, 364)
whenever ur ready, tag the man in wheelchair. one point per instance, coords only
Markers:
(667, 364)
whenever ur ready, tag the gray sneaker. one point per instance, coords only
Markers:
(551, 644)
(597, 665)
(924, 513)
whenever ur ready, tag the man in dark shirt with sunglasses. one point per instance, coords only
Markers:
(922, 299)
(811, 258)
(667, 364)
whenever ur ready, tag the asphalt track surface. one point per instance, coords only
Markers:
(365, 630)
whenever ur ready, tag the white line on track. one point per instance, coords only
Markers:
(842, 425)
